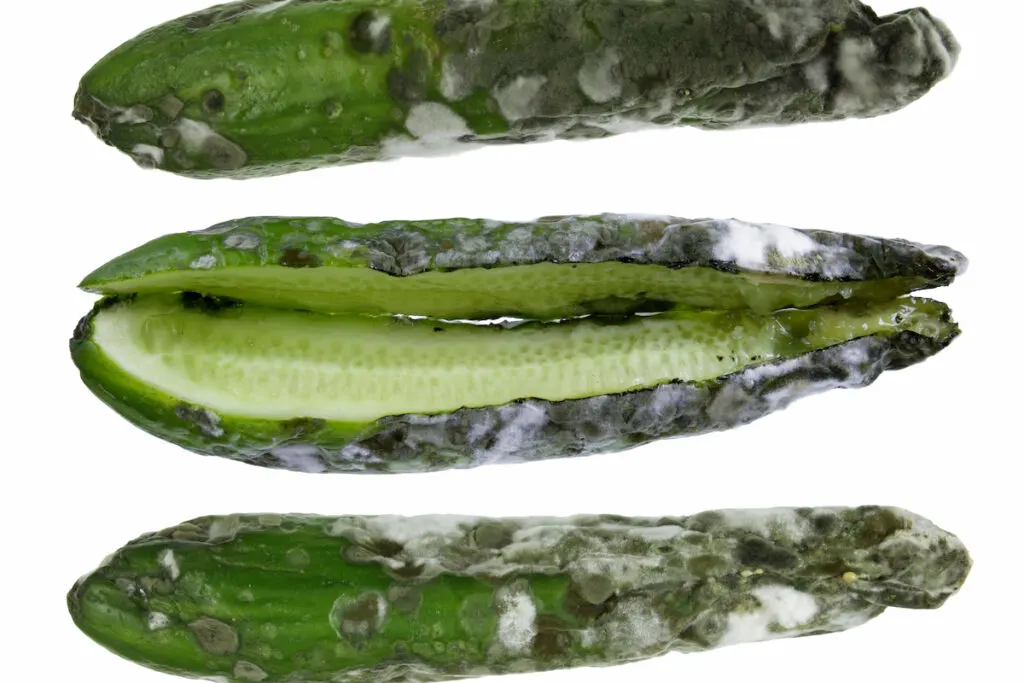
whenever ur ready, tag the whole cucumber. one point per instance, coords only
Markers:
(279, 598)
(272, 86)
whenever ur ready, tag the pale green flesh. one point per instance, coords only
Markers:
(544, 290)
(279, 364)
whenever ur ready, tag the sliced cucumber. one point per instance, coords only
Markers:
(339, 392)
(547, 269)
(284, 598)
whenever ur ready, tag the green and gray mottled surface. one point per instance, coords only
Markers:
(547, 269)
(272, 86)
(303, 599)
(248, 340)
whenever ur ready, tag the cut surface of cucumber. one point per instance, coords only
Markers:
(269, 363)
(314, 391)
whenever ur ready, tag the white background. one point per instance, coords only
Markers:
(940, 438)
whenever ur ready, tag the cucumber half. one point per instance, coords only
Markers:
(548, 269)
(266, 87)
(286, 386)
(280, 598)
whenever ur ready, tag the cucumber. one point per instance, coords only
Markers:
(272, 86)
(279, 598)
(253, 340)
(318, 392)
(552, 268)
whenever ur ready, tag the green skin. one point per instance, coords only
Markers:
(548, 269)
(305, 599)
(261, 88)
(818, 349)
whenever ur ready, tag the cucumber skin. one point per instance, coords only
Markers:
(520, 431)
(264, 88)
(404, 249)
(367, 599)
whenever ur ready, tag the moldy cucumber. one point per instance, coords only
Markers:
(320, 345)
(272, 86)
(280, 598)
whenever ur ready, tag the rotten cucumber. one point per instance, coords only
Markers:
(279, 598)
(266, 87)
(291, 377)
(548, 269)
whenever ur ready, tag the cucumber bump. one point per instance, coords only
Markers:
(241, 341)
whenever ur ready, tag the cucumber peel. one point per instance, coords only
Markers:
(266, 87)
(316, 388)
(368, 599)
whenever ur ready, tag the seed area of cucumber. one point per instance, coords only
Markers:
(359, 369)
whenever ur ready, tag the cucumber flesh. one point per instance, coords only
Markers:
(282, 598)
(547, 269)
(543, 291)
(279, 364)
(201, 349)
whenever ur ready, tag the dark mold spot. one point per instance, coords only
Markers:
(213, 101)
(408, 84)
(823, 523)
(757, 552)
(384, 547)
(333, 109)
(492, 535)
(208, 303)
(878, 526)
(553, 639)
(362, 38)
(295, 257)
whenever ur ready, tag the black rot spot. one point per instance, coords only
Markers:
(298, 258)
(367, 33)
(755, 552)
(213, 101)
